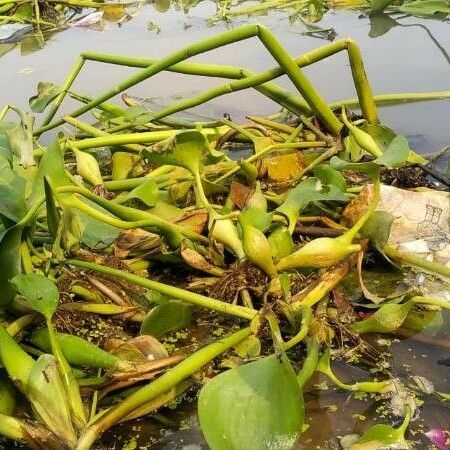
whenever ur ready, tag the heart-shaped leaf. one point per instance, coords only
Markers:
(396, 153)
(185, 149)
(170, 316)
(147, 192)
(255, 406)
(46, 93)
(41, 294)
(310, 190)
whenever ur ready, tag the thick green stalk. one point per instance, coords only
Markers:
(394, 99)
(310, 361)
(171, 291)
(163, 384)
(18, 325)
(93, 131)
(327, 282)
(307, 315)
(79, 63)
(318, 105)
(172, 231)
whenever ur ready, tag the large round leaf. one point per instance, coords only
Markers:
(256, 406)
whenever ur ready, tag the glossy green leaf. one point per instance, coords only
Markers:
(256, 406)
(186, 149)
(328, 175)
(381, 436)
(167, 317)
(46, 93)
(41, 294)
(256, 217)
(310, 190)
(386, 319)
(52, 166)
(396, 153)
(147, 192)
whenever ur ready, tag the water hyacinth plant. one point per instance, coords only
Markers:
(143, 264)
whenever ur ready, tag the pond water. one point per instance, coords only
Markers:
(412, 56)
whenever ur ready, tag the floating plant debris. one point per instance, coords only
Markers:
(142, 265)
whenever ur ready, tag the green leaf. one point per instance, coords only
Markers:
(257, 218)
(428, 321)
(41, 294)
(256, 406)
(330, 176)
(426, 7)
(147, 192)
(51, 165)
(249, 348)
(170, 316)
(382, 436)
(12, 203)
(46, 93)
(367, 167)
(53, 217)
(396, 153)
(310, 190)
(378, 228)
(21, 139)
(186, 149)
(386, 319)
(48, 396)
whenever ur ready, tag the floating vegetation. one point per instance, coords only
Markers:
(38, 20)
(142, 263)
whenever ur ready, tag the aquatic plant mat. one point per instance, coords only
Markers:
(147, 260)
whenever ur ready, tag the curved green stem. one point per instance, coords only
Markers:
(171, 291)
(163, 384)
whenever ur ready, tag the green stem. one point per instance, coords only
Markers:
(392, 99)
(286, 62)
(73, 391)
(171, 291)
(304, 328)
(163, 384)
(310, 362)
(416, 261)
